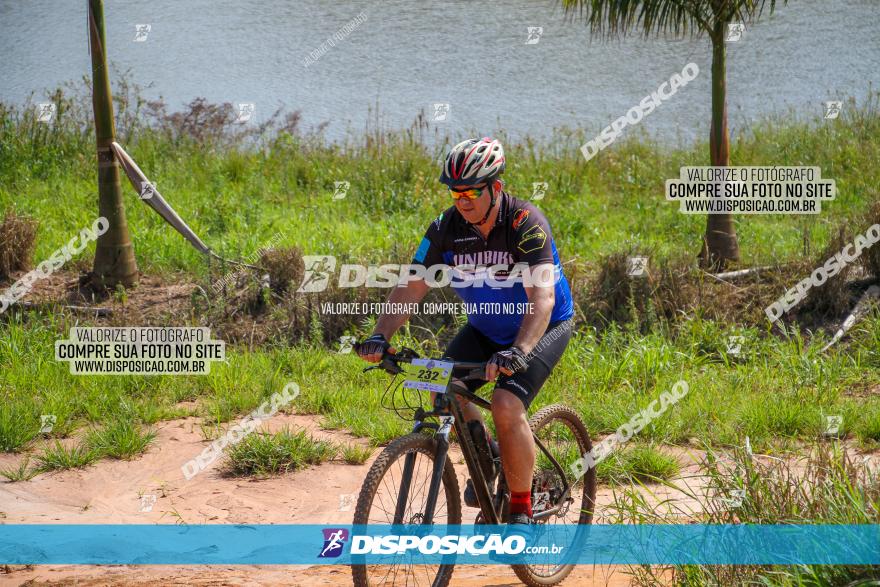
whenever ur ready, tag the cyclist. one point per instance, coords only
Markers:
(483, 239)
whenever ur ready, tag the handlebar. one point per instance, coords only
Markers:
(389, 363)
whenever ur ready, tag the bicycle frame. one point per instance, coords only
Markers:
(451, 416)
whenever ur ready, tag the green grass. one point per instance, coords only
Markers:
(59, 458)
(121, 439)
(236, 198)
(17, 428)
(355, 454)
(264, 454)
(779, 389)
(24, 472)
(637, 463)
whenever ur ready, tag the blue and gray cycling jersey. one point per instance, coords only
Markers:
(496, 300)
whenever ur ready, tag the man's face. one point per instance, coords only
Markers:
(473, 210)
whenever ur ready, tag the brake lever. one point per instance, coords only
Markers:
(389, 365)
(475, 374)
(386, 364)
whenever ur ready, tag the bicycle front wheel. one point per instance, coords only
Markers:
(378, 501)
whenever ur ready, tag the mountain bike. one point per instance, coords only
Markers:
(413, 481)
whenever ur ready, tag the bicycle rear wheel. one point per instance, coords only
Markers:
(565, 437)
(377, 503)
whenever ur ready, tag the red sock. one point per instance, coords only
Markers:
(521, 502)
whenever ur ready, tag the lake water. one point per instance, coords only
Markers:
(407, 56)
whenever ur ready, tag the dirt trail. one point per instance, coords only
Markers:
(111, 492)
(316, 576)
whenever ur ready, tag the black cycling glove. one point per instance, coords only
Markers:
(512, 359)
(375, 345)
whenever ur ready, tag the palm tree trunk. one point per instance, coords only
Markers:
(720, 243)
(114, 255)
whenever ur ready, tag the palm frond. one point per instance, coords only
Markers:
(748, 11)
(611, 18)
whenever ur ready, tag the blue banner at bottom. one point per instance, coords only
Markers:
(41, 544)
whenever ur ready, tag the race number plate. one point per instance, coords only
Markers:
(428, 375)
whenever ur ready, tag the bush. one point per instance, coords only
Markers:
(285, 265)
(833, 297)
(871, 256)
(17, 241)
(661, 292)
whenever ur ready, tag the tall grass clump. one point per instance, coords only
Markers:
(355, 454)
(825, 487)
(58, 457)
(120, 439)
(264, 454)
(23, 472)
(640, 463)
(17, 241)
(18, 426)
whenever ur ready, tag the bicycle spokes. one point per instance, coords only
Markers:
(386, 506)
(396, 491)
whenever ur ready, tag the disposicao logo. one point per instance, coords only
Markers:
(334, 541)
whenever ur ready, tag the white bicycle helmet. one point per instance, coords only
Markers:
(473, 161)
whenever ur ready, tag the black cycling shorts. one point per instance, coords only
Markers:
(472, 345)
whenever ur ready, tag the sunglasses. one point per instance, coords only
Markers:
(470, 194)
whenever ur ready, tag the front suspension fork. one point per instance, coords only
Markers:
(442, 439)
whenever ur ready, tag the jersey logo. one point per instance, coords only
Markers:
(532, 239)
(519, 218)
(438, 221)
(483, 258)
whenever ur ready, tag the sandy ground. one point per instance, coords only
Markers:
(321, 576)
(118, 492)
